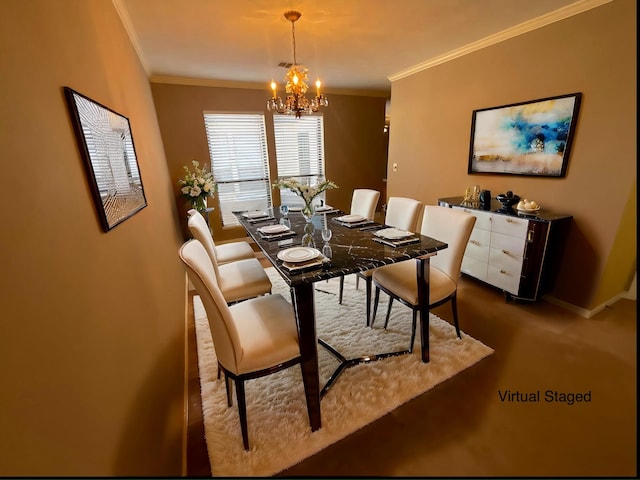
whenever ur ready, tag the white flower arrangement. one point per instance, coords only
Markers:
(198, 185)
(306, 192)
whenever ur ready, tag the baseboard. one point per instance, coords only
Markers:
(583, 312)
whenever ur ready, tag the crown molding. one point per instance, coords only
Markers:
(208, 82)
(528, 26)
(123, 13)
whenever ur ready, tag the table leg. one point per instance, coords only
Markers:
(422, 267)
(303, 303)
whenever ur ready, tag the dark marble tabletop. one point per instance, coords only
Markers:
(350, 250)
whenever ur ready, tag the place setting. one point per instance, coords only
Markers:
(326, 209)
(395, 237)
(258, 216)
(275, 232)
(297, 259)
(352, 221)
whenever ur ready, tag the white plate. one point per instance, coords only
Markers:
(255, 214)
(298, 254)
(271, 229)
(351, 218)
(392, 233)
(324, 208)
(529, 210)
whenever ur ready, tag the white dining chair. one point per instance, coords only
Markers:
(402, 213)
(399, 280)
(252, 339)
(363, 202)
(227, 252)
(238, 280)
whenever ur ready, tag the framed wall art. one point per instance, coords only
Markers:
(106, 145)
(528, 138)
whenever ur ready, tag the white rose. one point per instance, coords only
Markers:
(195, 191)
(186, 190)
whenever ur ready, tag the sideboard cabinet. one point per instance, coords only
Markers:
(517, 253)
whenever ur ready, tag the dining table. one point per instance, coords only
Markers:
(353, 247)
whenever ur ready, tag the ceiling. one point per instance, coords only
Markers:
(349, 44)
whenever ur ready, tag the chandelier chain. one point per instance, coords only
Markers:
(293, 34)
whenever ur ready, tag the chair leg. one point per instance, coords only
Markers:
(227, 385)
(242, 412)
(414, 324)
(369, 281)
(386, 320)
(454, 308)
(341, 289)
(357, 281)
(375, 306)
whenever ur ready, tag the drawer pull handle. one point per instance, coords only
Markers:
(503, 272)
(475, 242)
(510, 221)
(506, 252)
(530, 234)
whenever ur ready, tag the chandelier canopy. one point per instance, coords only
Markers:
(296, 103)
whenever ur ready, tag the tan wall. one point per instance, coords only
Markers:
(91, 323)
(355, 144)
(593, 53)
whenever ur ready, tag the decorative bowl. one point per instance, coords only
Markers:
(508, 202)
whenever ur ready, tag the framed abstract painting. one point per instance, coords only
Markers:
(106, 145)
(529, 138)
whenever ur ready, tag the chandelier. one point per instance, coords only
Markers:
(296, 103)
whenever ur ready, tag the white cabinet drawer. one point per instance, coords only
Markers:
(513, 246)
(478, 246)
(503, 260)
(474, 267)
(516, 227)
(483, 220)
(503, 279)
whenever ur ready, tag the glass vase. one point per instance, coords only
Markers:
(200, 204)
(307, 212)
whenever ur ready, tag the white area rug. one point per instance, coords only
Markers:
(279, 432)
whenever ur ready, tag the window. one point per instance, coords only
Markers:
(239, 162)
(299, 152)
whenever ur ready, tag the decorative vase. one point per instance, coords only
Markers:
(307, 212)
(200, 204)
(307, 241)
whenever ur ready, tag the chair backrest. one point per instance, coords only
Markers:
(453, 227)
(403, 213)
(202, 274)
(200, 231)
(364, 202)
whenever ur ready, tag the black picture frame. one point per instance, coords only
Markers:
(106, 146)
(531, 138)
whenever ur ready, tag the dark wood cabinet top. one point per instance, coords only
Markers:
(497, 207)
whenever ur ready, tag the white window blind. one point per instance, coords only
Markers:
(239, 162)
(299, 152)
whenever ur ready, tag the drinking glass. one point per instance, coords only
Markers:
(326, 234)
(284, 210)
(285, 221)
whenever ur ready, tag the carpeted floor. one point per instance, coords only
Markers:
(279, 431)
